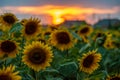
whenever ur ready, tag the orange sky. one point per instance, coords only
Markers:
(58, 14)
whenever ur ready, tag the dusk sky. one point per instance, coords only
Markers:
(56, 11)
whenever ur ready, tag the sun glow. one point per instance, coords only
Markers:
(59, 14)
(57, 20)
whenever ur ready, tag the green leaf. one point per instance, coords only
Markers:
(68, 69)
(84, 48)
(99, 75)
(76, 35)
(48, 78)
(51, 71)
(1, 32)
(16, 27)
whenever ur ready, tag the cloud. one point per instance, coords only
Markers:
(51, 9)
(61, 9)
(55, 13)
(83, 3)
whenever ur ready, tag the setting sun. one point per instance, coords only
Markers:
(57, 16)
(57, 20)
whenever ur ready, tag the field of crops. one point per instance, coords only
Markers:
(29, 51)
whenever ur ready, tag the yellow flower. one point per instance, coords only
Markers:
(23, 21)
(42, 40)
(31, 28)
(61, 39)
(46, 33)
(116, 77)
(89, 61)
(9, 73)
(52, 27)
(85, 30)
(8, 19)
(97, 35)
(37, 56)
(109, 44)
(8, 48)
(108, 35)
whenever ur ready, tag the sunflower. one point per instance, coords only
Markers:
(42, 40)
(46, 33)
(8, 48)
(108, 35)
(85, 30)
(89, 61)
(53, 27)
(23, 21)
(98, 35)
(8, 19)
(61, 39)
(109, 44)
(37, 56)
(9, 73)
(31, 28)
(116, 77)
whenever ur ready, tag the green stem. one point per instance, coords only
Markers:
(5, 63)
(67, 54)
(36, 75)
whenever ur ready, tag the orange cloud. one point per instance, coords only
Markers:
(59, 13)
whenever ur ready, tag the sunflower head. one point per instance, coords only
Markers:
(9, 73)
(8, 48)
(31, 28)
(23, 21)
(46, 33)
(97, 35)
(8, 19)
(37, 56)
(116, 77)
(85, 30)
(109, 44)
(61, 39)
(89, 61)
(52, 27)
(41, 40)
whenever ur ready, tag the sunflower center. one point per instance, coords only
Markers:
(88, 61)
(9, 19)
(5, 77)
(30, 28)
(8, 46)
(63, 38)
(108, 45)
(37, 56)
(84, 30)
(99, 34)
(47, 33)
(42, 40)
(115, 78)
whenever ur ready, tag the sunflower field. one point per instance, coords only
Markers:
(29, 51)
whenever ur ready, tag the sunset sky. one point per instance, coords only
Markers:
(57, 11)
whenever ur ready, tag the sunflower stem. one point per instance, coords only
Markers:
(5, 63)
(36, 75)
(67, 54)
